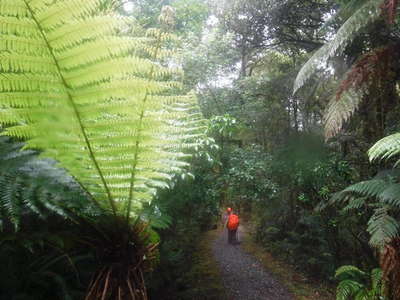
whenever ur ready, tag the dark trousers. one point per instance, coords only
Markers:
(232, 236)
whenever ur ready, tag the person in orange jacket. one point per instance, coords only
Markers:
(232, 225)
(224, 217)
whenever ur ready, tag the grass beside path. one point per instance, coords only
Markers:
(205, 276)
(303, 288)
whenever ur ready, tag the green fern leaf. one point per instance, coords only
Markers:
(33, 185)
(347, 289)
(382, 227)
(391, 195)
(353, 285)
(350, 270)
(385, 148)
(364, 16)
(90, 96)
(355, 203)
(371, 188)
(339, 111)
(363, 294)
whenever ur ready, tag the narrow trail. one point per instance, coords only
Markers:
(244, 277)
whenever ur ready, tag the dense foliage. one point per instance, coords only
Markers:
(292, 73)
(302, 102)
(85, 87)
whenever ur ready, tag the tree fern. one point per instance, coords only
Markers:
(347, 289)
(87, 94)
(80, 87)
(363, 16)
(349, 270)
(355, 204)
(340, 110)
(382, 227)
(383, 192)
(380, 194)
(359, 285)
(30, 185)
(370, 188)
(370, 68)
(385, 148)
(391, 195)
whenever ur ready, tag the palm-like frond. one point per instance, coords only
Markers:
(353, 284)
(391, 195)
(385, 148)
(386, 191)
(90, 96)
(347, 289)
(340, 110)
(365, 15)
(357, 194)
(383, 187)
(355, 204)
(29, 184)
(370, 188)
(382, 227)
(350, 270)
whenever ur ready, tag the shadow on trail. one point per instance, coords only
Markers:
(243, 276)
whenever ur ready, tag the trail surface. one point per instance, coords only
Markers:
(243, 276)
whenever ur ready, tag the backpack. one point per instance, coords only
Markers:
(233, 222)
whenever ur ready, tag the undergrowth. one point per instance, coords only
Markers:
(300, 285)
(195, 278)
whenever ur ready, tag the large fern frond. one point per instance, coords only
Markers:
(370, 188)
(365, 15)
(351, 271)
(356, 195)
(385, 191)
(355, 204)
(382, 227)
(391, 195)
(353, 284)
(339, 111)
(347, 289)
(385, 148)
(29, 184)
(382, 187)
(76, 86)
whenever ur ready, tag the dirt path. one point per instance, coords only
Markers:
(244, 278)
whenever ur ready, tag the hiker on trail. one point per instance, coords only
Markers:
(232, 225)
(225, 215)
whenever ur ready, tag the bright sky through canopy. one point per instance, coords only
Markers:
(128, 6)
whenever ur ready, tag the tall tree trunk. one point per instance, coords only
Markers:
(243, 62)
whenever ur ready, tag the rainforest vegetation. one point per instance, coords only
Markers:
(128, 127)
